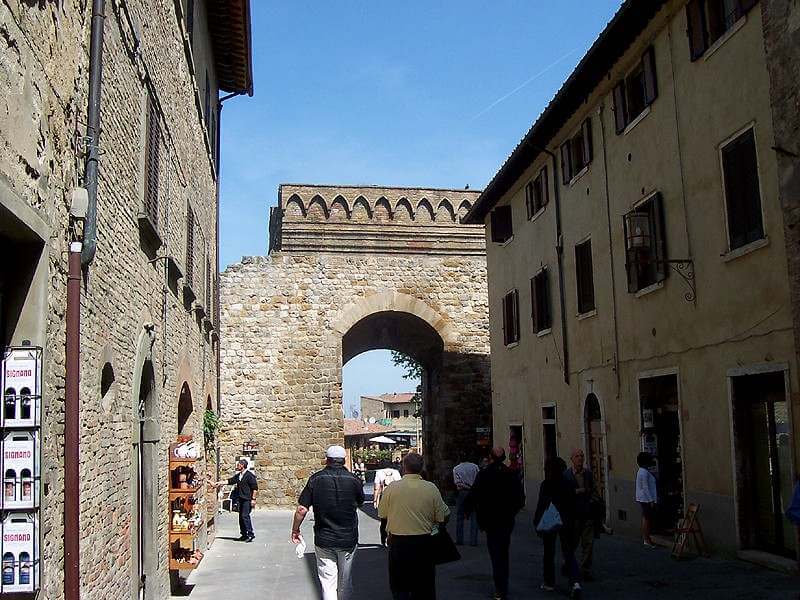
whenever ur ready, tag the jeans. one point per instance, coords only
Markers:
(498, 542)
(245, 523)
(473, 520)
(334, 569)
(567, 550)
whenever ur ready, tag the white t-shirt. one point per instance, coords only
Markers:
(386, 476)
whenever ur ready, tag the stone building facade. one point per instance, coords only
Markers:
(636, 254)
(352, 269)
(148, 339)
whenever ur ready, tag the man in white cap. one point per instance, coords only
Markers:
(335, 493)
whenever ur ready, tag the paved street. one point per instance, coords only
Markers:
(268, 569)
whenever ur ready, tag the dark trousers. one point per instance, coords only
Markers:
(412, 574)
(566, 534)
(245, 523)
(498, 542)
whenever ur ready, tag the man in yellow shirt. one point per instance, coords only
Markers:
(412, 508)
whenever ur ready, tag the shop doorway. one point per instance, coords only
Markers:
(146, 446)
(661, 437)
(595, 442)
(763, 462)
(184, 407)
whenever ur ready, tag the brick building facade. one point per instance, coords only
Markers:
(148, 340)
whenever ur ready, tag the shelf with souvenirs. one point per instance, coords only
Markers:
(186, 501)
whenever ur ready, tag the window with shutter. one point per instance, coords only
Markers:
(190, 243)
(586, 134)
(208, 283)
(540, 296)
(576, 152)
(742, 190)
(650, 81)
(152, 166)
(645, 244)
(709, 20)
(501, 226)
(190, 20)
(635, 92)
(696, 28)
(540, 191)
(566, 166)
(584, 277)
(529, 202)
(620, 109)
(511, 317)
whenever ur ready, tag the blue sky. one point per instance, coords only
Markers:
(427, 94)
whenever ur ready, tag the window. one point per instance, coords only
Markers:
(536, 194)
(501, 226)
(584, 277)
(511, 318)
(405, 413)
(645, 244)
(635, 92)
(540, 301)
(190, 245)
(576, 152)
(152, 158)
(395, 414)
(549, 432)
(190, 19)
(742, 195)
(708, 20)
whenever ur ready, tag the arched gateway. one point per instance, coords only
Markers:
(353, 269)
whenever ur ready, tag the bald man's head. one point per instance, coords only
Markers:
(498, 454)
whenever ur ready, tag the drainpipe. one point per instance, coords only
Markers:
(72, 571)
(93, 130)
(560, 258)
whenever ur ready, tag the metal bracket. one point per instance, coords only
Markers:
(684, 267)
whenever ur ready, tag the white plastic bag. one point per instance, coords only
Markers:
(300, 549)
(550, 521)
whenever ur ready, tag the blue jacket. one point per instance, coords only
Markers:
(582, 500)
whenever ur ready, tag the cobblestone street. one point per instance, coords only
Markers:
(268, 569)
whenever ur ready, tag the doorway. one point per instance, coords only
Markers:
(516, 456)
(595, 443)
(185, 407)
(661, 438)
(763, 462)
(145, 459)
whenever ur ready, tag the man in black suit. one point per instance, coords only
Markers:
(245, 495)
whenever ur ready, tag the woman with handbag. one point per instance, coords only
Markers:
(555, 518)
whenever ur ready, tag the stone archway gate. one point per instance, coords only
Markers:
(352, 269)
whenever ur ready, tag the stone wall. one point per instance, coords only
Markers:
(44, 82)
(284, 318)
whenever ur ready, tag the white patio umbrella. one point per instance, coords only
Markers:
(382, 439)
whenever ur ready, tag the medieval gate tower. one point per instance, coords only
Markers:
(352, 269)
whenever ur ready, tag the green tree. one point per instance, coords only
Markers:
(413, 370)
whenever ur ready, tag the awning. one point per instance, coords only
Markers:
(382, 439)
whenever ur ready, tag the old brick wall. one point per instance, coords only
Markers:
(44, 79)
(284, 317)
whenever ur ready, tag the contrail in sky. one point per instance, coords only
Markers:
(519, 87)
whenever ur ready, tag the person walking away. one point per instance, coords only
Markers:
(244, 494)
(496, 497)
(383, 478)
(335, 494)
(464, 474)
(583, 481)
(558, 491)
(412, 508)
(646, 495)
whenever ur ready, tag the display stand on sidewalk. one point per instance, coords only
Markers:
(689, 526)
(185, 505)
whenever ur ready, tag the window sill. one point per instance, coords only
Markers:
(544, 332)
(149, 232)
(505, 243)
(711, 50)
(587, 315)
(650, 289)
(512, 345)
(537, 214)
(639, 118)
(578, 175)
(744, 250)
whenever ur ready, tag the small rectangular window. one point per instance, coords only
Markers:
(501, 226)
(190, 246)
(645, 244)
(576, 152)
(541, 314)
(395, 414)
(511, 318)
(709, 20)
(536, 194)
(549, 433)
(635, 92)
(584, 277)
(742, 192)
(405, 413)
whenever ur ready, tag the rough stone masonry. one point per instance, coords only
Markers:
(352, 269)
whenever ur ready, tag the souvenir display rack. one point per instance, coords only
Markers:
(185, 505)
(20, 468)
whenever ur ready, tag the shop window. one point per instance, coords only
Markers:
(576, 152)
(511, 318)
(536, 194)
(709, 20)
(501, 226)
(645, 244)
(742, 192)
(635, 92)
(584, 277)
(541, 313)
